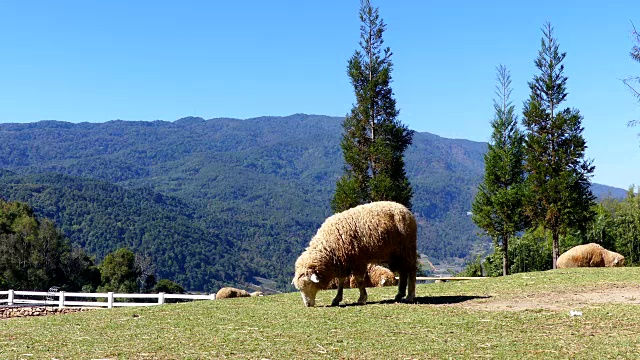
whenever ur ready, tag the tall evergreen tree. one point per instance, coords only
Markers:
(374, 140)
(497, 207)
(558, 176)
(635, 55)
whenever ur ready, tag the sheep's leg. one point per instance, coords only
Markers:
(361, 286)
(402, 285)
(412, 287)
(338, 298)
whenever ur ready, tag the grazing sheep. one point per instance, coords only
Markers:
(379, 232)
(230, 292)
(589, 255)
(377, 276)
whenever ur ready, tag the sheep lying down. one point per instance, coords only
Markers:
(230, 292)
(376, 276)
(381, 232)
(589, 255)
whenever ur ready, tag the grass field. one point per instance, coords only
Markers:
(524, 316)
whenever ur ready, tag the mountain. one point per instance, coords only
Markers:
(604, 191)
(102, 217)
(250, 193)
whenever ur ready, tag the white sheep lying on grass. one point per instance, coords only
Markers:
(377, 276)
(230, 292)
(589, 255)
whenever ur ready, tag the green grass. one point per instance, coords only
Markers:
(450, 320)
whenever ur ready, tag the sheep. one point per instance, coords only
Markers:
(589, 255)
(379, 276)
(230, 292)
(333, 284)
(376, 276)
(378, 232)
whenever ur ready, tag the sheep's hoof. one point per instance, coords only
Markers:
(409, 300)
(335, 303)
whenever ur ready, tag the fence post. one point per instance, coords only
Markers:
(61, 299)
(160, 298)
(110, 300)
(212, 296)
(10, 297)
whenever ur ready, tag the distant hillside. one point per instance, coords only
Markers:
(262, 186)
(604, 191)
(102, 217)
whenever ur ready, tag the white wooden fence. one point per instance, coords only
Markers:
(108, 299)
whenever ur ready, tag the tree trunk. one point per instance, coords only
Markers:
(556, 248)
(505, 256)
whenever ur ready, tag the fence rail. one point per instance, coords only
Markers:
(108, 299)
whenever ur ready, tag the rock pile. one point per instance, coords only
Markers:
(22, 311)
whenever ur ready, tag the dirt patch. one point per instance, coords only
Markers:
(560, 301)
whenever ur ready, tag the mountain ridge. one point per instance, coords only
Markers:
(269, 178)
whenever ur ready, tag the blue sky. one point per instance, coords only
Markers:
(146, 60)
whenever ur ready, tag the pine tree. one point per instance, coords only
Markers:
(635, 55)
(374, 141)
(497, 207)
(558, 176)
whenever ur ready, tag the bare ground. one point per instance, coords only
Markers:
(571, 299)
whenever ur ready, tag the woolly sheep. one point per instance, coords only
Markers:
(378, 232)
(230, 292)
(376, 276)
(589, 255)
(379, 276)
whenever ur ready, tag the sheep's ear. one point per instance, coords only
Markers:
(314, 278)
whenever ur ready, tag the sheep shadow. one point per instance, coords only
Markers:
(425, 300)
(445, 300)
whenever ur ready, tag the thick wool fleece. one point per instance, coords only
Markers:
(381, 232)
(589, 255)
(229, 292)
(377, 276)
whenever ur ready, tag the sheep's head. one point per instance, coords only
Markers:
(618, 260)
(612, 258)
(388, 280)
(309, 284)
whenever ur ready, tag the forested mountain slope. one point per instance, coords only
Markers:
(233, 198)
(102, 217)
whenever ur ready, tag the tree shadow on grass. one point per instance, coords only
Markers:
(425, 300)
